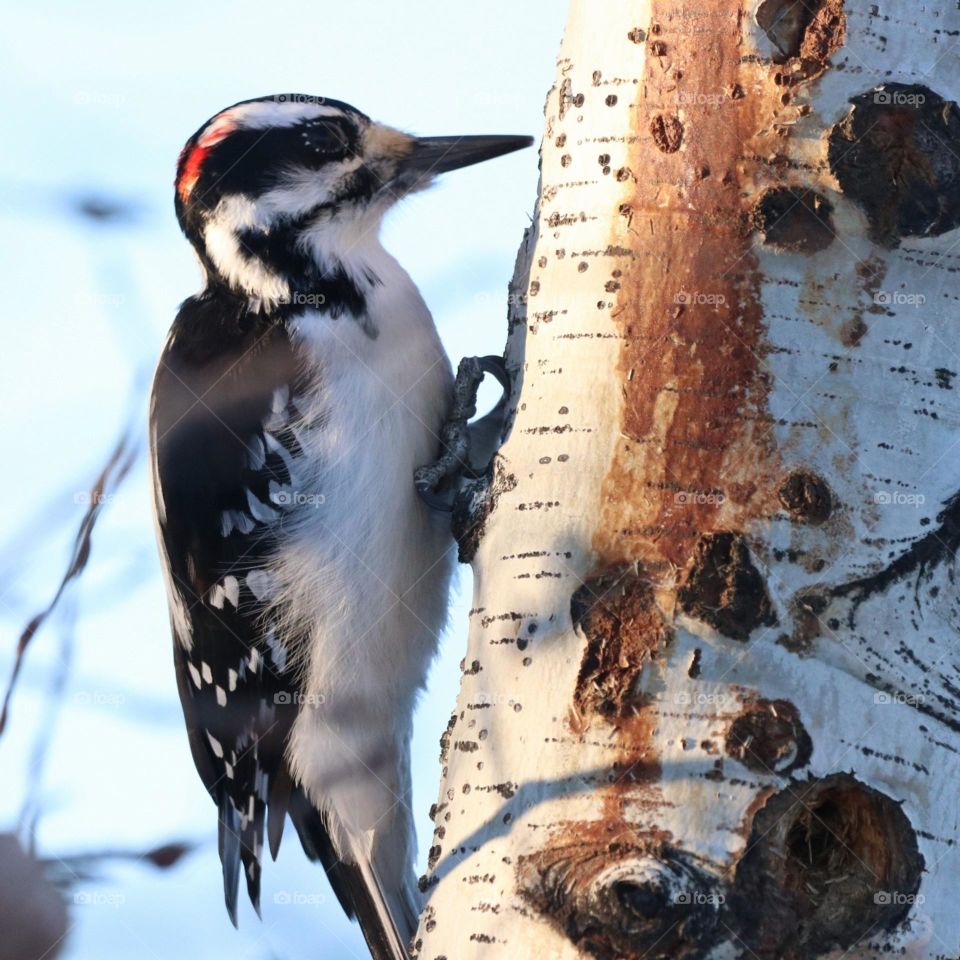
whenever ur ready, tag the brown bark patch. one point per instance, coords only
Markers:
(807, 609)
(624, 630)
(698, 452)
(809, 31)
(897, 154)
(622, 898)
(829, 862)
(724, 589)
(794, 219)
(806, 496)
(769, 738)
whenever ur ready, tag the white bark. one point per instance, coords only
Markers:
(736, 425)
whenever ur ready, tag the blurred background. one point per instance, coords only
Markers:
(95, 773)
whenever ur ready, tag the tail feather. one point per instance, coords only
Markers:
(240, 838)
(228, 842)
(277, 806)
(376, 920)
(388, 923)
(355, 884)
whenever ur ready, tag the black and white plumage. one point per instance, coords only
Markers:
(294, 398)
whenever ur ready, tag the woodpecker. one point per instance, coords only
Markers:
(307, 583)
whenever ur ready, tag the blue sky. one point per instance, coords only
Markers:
(99, 100)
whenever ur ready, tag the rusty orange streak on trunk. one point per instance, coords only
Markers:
(697, 452)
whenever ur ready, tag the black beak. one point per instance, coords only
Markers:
(433, 155)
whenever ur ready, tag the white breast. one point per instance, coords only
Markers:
(364, 570)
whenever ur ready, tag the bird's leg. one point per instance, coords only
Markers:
(466, 449)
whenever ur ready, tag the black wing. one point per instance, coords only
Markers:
(222, 445)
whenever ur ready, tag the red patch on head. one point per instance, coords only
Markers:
(192, 157)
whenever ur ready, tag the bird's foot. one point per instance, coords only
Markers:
(466, 449)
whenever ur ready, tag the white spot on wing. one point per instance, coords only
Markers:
(231, 520)
(231, 587)
(277, 650)
(221, 696)
(207, 672)
(275, 446)
(256, 453)
(215, 744)
(260, 511)
(232, 680)
(194, 675)
(260, 583)
(228, 590)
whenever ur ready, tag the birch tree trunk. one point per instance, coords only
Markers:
(711, 702)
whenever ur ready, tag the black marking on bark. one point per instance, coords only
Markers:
(623, 901)
(828, 862)
(769, 737)
(922, 557)
(724, 589)
(897, 154)
(445, 739)
(624, 630)
(794, 219)
(474, 504)
(806, 497)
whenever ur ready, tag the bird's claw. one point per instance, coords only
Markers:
(435, 483)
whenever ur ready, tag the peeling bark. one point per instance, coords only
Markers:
(710, 706)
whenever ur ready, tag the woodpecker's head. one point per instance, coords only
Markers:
(277, 192)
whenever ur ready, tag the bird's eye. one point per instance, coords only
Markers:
(323, 139)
